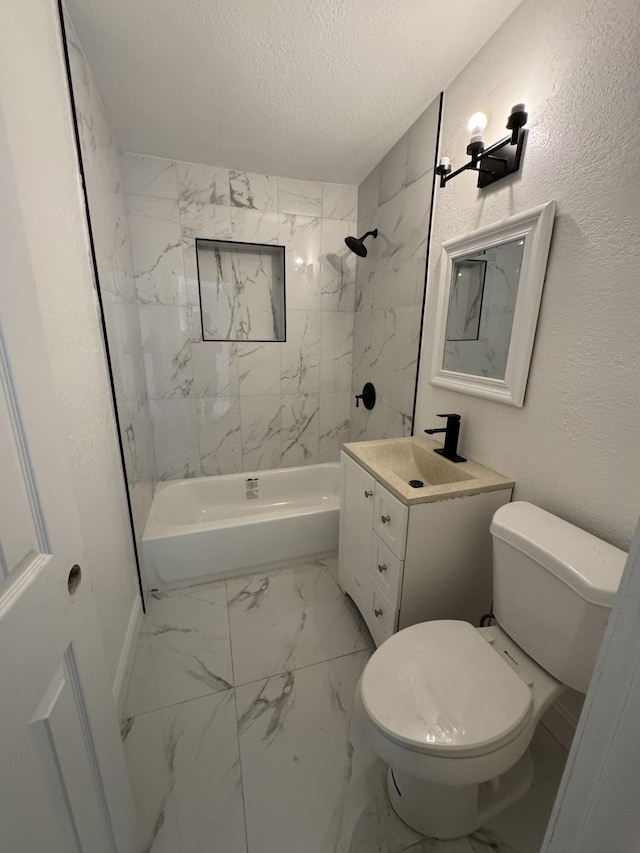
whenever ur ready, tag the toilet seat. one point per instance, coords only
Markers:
(439, 688)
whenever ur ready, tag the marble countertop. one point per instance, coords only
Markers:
(394, 461)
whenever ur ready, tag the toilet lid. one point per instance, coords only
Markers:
(440, 688)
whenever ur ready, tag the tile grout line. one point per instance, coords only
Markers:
(259, 574)
(226, 595)
(316, 564)
(235, 705)
(247, 683)
(218, 583)
(180, 702)
(300, 668)
(558, 742)
(244, 802)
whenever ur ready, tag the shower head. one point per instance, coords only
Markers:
(356, 244)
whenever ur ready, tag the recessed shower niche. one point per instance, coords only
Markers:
(242, 290)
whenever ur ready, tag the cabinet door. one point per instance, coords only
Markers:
(386, 570)
(380, 616)
(356, 516)
(390, 520)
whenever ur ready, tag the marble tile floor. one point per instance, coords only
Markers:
(238, 737)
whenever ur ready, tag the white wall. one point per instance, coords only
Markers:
(575, 446)
(36, 107)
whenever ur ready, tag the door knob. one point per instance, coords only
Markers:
(74, 578)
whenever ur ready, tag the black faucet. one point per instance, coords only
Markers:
(452, 430)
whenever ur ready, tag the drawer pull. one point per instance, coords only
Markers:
(377, 611)
(382, 567)
(385, 518)
(367, 493)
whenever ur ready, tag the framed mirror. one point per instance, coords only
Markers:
(488, 303)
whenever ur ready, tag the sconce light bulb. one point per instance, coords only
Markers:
(477, 124)
(299, 261)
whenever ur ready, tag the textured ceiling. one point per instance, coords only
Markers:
(314, 89)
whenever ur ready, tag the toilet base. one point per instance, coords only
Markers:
(452, 811)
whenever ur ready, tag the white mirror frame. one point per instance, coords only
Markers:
(535, 226)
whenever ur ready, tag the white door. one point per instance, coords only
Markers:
(63, 784)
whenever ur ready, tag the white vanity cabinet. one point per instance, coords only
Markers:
(358, 489)
(403, 564)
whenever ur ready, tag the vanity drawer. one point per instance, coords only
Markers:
(381, 617)
(385, 569)
(390, 520)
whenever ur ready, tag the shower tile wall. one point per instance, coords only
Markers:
(396, 199)
(104, 184)
(223, 407)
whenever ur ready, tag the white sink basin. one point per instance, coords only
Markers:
(398, 461)
(410, 460)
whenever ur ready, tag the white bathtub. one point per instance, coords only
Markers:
(224, 525)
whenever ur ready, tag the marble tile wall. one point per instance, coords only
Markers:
(396, 199)
(224, 407)
(105, 192)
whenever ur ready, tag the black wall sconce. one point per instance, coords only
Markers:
(493, 163)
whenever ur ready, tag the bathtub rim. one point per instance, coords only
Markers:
(155, 529)
(161, 485)
(162, 530)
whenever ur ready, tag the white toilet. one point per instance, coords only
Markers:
(452, 709)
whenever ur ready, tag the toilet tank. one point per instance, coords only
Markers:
(553, 589)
